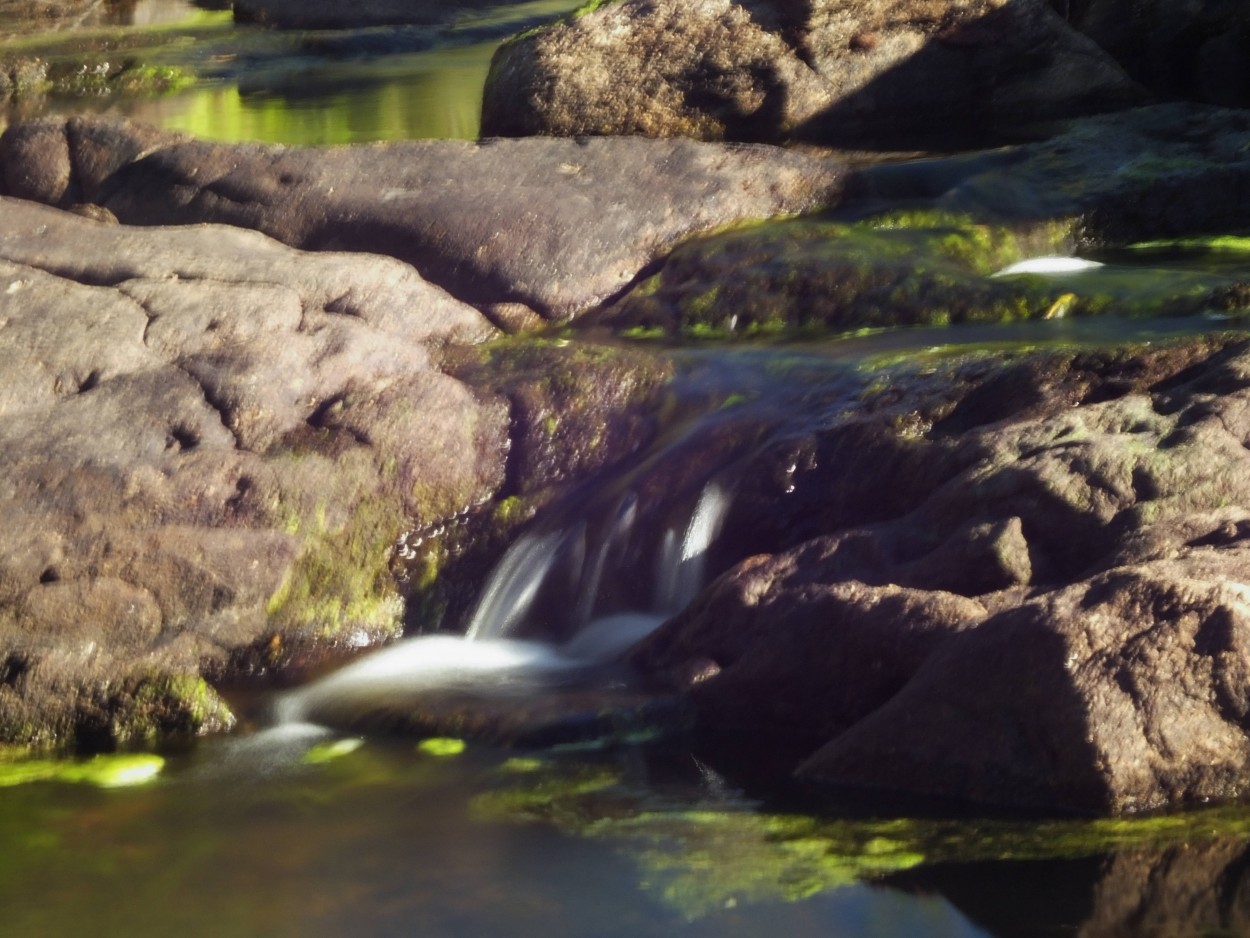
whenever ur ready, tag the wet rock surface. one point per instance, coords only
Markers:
(837, 73)
(563, 225)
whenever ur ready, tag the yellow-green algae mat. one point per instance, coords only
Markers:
(702, 857)
(116, 770)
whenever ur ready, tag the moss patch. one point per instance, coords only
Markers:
(159, 706)
(106, 771)
(342, 582)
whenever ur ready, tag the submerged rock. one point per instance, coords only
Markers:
(896, 73)
(563, 224)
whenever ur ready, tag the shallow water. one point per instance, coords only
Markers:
(244, 838)
(297, 87)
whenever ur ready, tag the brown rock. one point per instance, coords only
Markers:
(563, 225)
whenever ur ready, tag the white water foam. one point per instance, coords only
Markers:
(1048, 265)
(484, 659)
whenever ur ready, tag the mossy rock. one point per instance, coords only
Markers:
(810, 277)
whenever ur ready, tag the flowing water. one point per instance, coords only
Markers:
(303, 824)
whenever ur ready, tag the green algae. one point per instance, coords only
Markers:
(441, 747)
(808, 277)
(1220, 243)
(699, 858)
(162, 705)
(121, 770)
(322, 753)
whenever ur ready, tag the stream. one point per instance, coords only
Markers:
(307, 822)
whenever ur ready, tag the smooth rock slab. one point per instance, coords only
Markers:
(557, 225)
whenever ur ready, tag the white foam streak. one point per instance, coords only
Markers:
(428, 662)
(680, 578)
(1048, 265)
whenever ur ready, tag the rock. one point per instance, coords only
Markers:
(1185, 50)
(1157, 172)
(209, 444)
(1124, 693)
(894, 74)
(1028, 593)
(1113, 184)
(565, 224)
(859, 645)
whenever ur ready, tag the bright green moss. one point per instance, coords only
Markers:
(441, 747)
(321, 753)
(341, 580)
(106, 771)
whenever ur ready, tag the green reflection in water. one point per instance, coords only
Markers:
(280, 86)
(435, 94)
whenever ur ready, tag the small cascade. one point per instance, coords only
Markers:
(680, 572)
(567, 568)
(513, 585)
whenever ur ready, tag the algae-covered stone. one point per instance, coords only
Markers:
(808, 277)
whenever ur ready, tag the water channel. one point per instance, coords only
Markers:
(292, 827)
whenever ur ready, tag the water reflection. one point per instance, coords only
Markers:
(251, 83)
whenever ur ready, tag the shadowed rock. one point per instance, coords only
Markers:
(1043, 606)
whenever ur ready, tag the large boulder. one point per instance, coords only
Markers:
(1190, 50)
(562, 225)
(210, 443)
(1028, 588)
(901, 73)
(1123, 693)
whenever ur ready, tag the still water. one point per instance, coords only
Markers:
(249, 838)
(242, 82)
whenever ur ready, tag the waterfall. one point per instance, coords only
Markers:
(573, 563)
(680, 573)
(513, 585)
